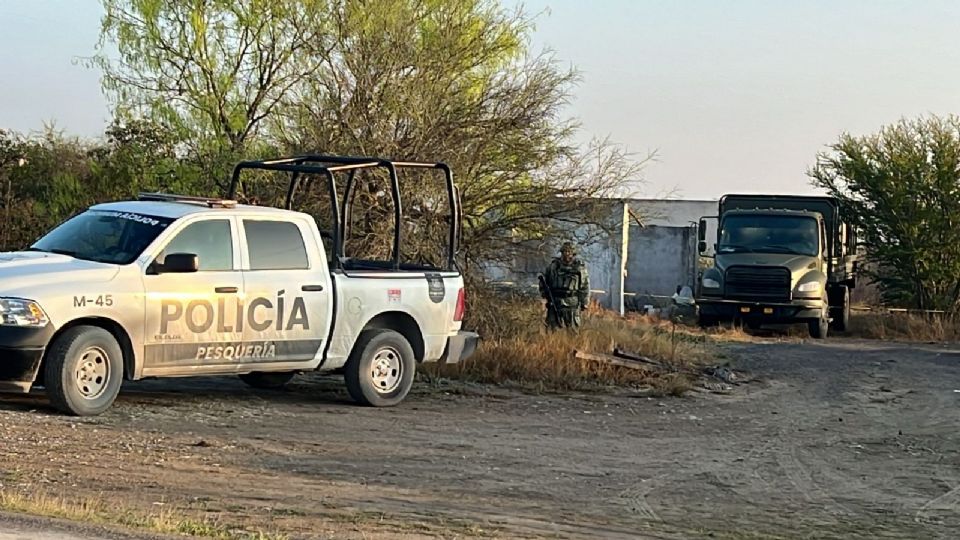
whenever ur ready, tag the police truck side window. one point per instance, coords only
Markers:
(209, 240)
(275, 245)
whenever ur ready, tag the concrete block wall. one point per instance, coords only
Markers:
(603, 254)
(633, 262)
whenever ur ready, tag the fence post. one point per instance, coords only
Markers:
(619, 277)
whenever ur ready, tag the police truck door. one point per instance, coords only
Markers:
(288, 291)
(190, 315)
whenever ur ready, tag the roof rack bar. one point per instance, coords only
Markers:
(352, 166)
(172, 197)
(339, 160)
(355, 159)
(292, 167)
(286, 167)
(417, 164)
(281, 160)
(327, 165)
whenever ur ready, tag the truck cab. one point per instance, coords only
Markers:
(778, 260)
(176, 286)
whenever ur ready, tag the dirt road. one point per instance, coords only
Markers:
(840, 439)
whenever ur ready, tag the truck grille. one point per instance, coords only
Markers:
(758, 282)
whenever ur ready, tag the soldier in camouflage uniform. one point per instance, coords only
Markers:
(569, 282)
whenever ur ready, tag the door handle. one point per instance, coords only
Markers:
(226, 289)
(311, 288)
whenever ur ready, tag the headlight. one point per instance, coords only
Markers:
(710, 283)
(810, 287)
(18, 312)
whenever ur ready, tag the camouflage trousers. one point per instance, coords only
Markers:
(569, 317)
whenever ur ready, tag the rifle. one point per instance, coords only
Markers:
(551, 303)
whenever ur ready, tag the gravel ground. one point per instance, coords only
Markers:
(837, 439)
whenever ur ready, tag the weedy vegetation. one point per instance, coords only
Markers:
(518, 349)
(99, 512)
(898, 326)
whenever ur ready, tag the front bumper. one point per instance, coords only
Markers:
(460, 347)
(21, 350)
(771, 312)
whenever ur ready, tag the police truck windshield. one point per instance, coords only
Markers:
(770, 234)
(103, 236)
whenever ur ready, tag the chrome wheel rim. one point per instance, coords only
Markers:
(386, 370)
(93, 372)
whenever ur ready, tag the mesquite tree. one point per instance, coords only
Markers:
(450, 80)
(901, 186)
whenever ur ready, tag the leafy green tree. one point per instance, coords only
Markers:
(901, 186)
(48, 180)
(454, 81)
(140, 155)
(213, 70)
(435, 80)
(11, 157)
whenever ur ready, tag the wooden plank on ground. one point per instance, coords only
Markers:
(606, 359)
(620, 353)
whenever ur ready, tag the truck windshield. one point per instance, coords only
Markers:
(103, 236)
(770, 234)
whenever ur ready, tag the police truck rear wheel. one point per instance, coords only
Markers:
(380, 369)
(83, 371)
(269, 380)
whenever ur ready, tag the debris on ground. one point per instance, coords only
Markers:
(725, 374)
(709, 375)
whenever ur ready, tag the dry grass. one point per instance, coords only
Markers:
(517, 349)
(905, 327)
(100, 513)
(739, 334)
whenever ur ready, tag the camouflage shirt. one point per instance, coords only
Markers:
(570, 284)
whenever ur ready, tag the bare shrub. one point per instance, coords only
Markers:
(905, 326)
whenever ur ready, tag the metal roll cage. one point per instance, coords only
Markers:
(328, 166)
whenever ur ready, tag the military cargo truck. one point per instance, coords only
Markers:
(779, 259)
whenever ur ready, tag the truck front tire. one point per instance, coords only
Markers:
(841, 313)
(821, 326)
(380, 369)
(83, 371)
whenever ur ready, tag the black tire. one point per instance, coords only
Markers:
(267, 380)
(707, 321)
(819, 328)
(83, 371)
(397, 366)
(841, 314)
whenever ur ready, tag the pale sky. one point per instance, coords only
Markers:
(733, 95)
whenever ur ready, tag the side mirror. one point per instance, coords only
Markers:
(179, 263)
(702, 233)
(702, 246)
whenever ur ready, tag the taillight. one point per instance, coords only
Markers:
(461, 306)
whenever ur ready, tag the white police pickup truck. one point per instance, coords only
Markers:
(170, 286)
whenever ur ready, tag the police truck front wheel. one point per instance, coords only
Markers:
(83, 371)
(380, 369)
